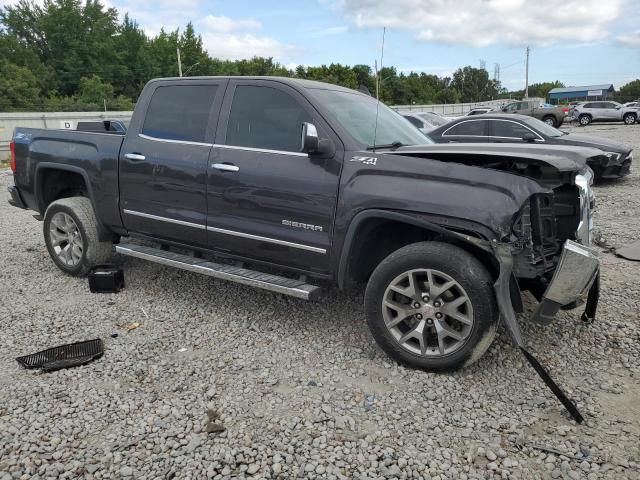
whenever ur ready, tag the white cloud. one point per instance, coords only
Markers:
(631, 39)
(224, 24)
(222, 36)
(325, 32)
(480, 23)
(247, 45)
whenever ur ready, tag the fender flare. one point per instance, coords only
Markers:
(37, 187)
(360, 217)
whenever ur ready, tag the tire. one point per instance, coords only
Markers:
(71, 235)
(426, 350)
(550, 120)
(629, 118)
(584, 120)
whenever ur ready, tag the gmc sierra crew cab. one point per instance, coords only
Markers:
(288, 185)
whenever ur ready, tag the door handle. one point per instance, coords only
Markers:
(226, 167)
(135, 157)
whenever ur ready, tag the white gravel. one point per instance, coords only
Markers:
(300, 388)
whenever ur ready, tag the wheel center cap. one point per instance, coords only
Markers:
(428, 310)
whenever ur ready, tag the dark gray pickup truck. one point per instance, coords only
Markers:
(305, 180)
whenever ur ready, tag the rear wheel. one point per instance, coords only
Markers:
(71, 235)
(549, 120)
(584, 120)
(431, 305)
(630, 118)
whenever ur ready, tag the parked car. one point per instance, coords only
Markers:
(615, 161)
(608, 111)
(438, 233)
(551, 116)
(479, 111)
(425, 121)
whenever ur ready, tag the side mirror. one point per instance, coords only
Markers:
(310, 140)
(313, 144)
(618, 108)
(528, 137)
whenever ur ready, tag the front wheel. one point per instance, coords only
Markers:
(71, 235)
(431, 305)
(549, 120)
(629, 118)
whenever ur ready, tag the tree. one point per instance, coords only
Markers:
(72, 38)
(19, 87)
(94, 90)
(474, 84)
(629, 92)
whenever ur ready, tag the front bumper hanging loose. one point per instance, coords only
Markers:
(577, 273)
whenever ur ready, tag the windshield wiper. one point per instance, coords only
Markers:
(393, 145)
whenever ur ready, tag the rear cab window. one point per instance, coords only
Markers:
(179, 112)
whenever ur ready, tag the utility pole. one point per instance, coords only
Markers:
(496, 72)
(179, 62)
(526, 77)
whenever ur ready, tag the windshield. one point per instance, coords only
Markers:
(544, 128)
(433, 119)
(356, 113)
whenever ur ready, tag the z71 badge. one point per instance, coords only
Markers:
(364, 160)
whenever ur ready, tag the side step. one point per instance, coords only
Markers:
(274, 283)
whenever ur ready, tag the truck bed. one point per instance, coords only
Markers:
(92, 155)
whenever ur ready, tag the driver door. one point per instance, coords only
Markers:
(266, 199)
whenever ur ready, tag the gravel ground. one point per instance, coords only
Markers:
(299, 388)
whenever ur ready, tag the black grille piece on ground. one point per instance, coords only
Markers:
(106, 279)
(64, 356)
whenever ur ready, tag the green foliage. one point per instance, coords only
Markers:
(18, 86)
(66, 55)
(629, 92)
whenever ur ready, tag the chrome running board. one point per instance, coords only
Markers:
(274, 283)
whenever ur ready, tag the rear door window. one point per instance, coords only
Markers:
(267, 118)
(470, 128)
(502, 128)
(179, 112)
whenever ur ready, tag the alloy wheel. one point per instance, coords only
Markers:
(427, 312)
(66, 239)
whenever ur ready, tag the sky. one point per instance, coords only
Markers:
(578, 42)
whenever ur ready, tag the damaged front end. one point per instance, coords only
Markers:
(550, 256)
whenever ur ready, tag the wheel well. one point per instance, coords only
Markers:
(55, 184)
(377, 238)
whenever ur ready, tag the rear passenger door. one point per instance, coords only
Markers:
(467, 131)
(267, 200)
(164, 158)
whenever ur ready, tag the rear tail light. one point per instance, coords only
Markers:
(12, 147)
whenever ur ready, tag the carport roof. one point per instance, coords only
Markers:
(605, 86)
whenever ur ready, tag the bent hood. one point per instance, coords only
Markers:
(562, 158)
